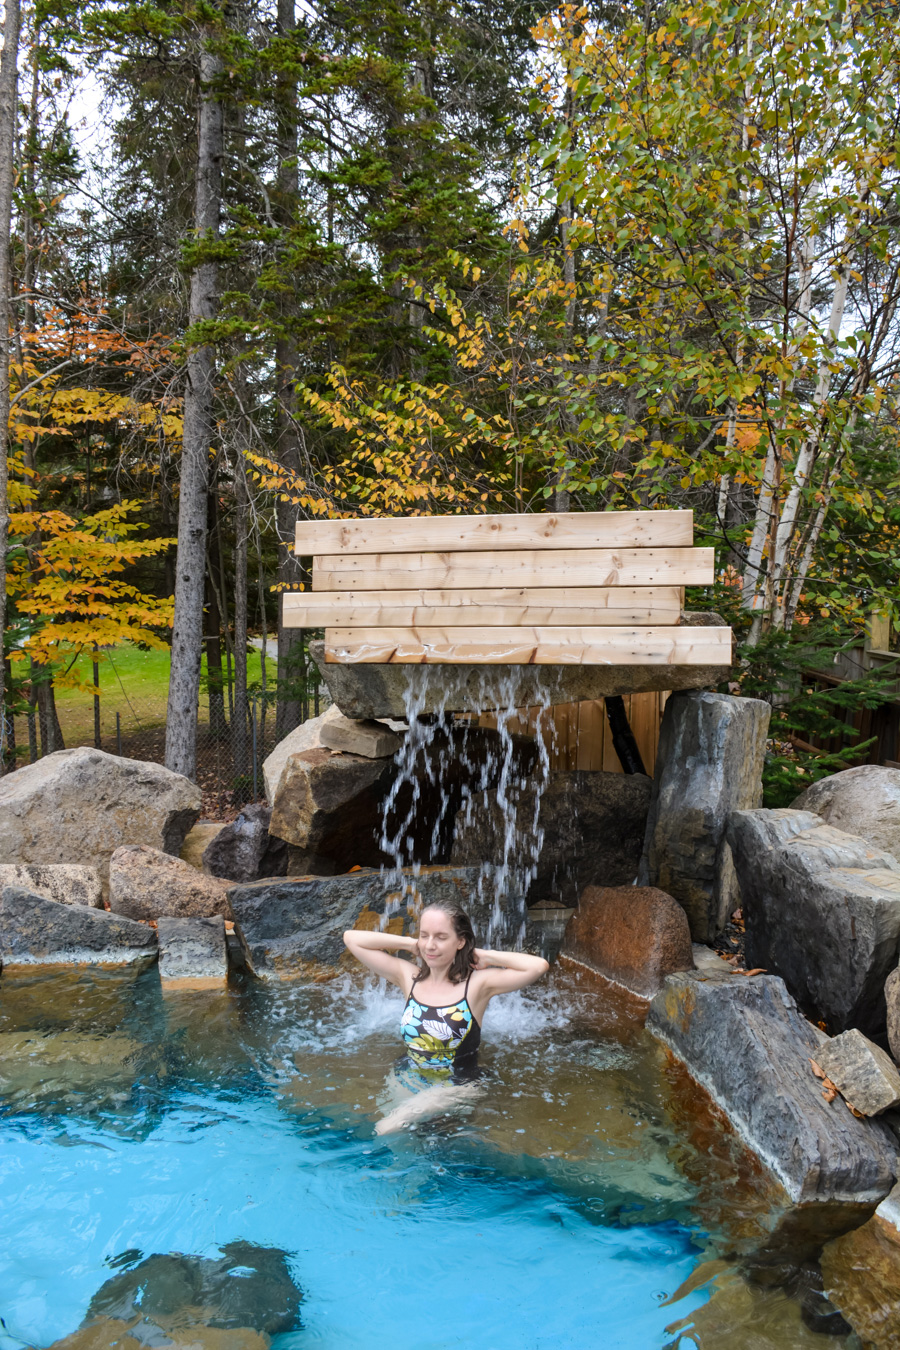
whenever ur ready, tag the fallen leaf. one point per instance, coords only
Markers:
(820, 1073)
(860, 1115)
(757, 970)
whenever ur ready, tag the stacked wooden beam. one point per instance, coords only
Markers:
(590, 588)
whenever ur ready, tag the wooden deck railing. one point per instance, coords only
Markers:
(589, 588)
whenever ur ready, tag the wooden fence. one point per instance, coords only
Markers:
(578, 735)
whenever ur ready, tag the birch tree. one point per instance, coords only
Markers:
(8, 113)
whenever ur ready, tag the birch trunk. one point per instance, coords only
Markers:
(9, 74)
(190, 564)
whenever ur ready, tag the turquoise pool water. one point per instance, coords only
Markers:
(557, 1211)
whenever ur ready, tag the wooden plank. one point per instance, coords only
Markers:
(475, 571)
(493, 608)
(415, 534)
(588, 646)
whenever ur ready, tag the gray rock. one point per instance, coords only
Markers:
(192, 950)
(330, 804)
(592, 825)
(305, 737)
(744, 1040)
(294, 926)
(77, 806)
(864, 1075)
(147, 884)
(374, 740)
(380, 690)
(67, 883)
(892, 999)
(243, 850)
(863, 801)
(821, 909)
(36, 931)
(709, 763)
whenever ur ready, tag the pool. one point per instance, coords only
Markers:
(566, 1207)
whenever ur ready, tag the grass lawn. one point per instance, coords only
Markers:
(135, 684)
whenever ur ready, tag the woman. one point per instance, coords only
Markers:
(446, 995)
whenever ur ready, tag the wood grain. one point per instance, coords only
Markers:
(510, 607)
(475, 571)
(415, 534)
(589, 646)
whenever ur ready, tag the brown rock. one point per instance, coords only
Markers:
(861, 1272)
(633, 935)
(372, 740)
(892, 998)
(197, 839)
(133, 1335)
(146, 884)
(329, 804)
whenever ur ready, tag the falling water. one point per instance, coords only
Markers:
(446, 767)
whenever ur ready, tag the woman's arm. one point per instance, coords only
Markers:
(373, 948)
(502, 972)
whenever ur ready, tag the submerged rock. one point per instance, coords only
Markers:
(329, 804)
(592, 827)
(67, 883)
(632, 935)
(244, 850)
(79, 805)
(192, 950)
(111, 1332)
(861, 1272)
(709, 763)
(864, 1075)
(374, 740)
(863, 801)
(37, 931)
(305, 737)
(295, 926)
(744, 1040)
(147, 884)
(822, 910)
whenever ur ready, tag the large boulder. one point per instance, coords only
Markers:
(821, 909)
(892, 1000)
(243, 850)
(861, 1274)
(632, 935)
(79, 805)
(192, 952)
(67, 883)
(744, 1040)
(709, 763)
(585, 828)
(294, 927)
(147, 884)
(329, 804)
(382, 690)
(305, 737)
(35, 931)
(863, 801)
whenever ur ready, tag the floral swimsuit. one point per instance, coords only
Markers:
(441, 1043)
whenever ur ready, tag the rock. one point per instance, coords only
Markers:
(709, 763)
(140, 1333)
(248, 1287)
(145, 884)
(861, 1272)
(744, 1040)
(66, 883)
(244, 850)
(864, 1075)
(294, 927)
(707, 959)
(863, 801)
(330, 804)
(77, 806)
(192, 950)
(373, 740)
(822, 910)
(592, 826)
(380, 690)
(892, 999)
(632, 935)
(305, 737)
(203, 833)
(37, 931)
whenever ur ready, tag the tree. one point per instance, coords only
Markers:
(8, 109)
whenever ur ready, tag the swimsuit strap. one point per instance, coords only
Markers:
(466, 990)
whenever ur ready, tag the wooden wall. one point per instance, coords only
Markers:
(578, 736)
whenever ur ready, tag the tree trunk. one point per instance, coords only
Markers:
(215, 684)
(239, 722)
(51, 731)
(190, 563)
(9, 73)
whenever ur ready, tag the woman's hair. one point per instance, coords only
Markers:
(464, 960)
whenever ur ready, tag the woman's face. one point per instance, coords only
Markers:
(438, 943)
